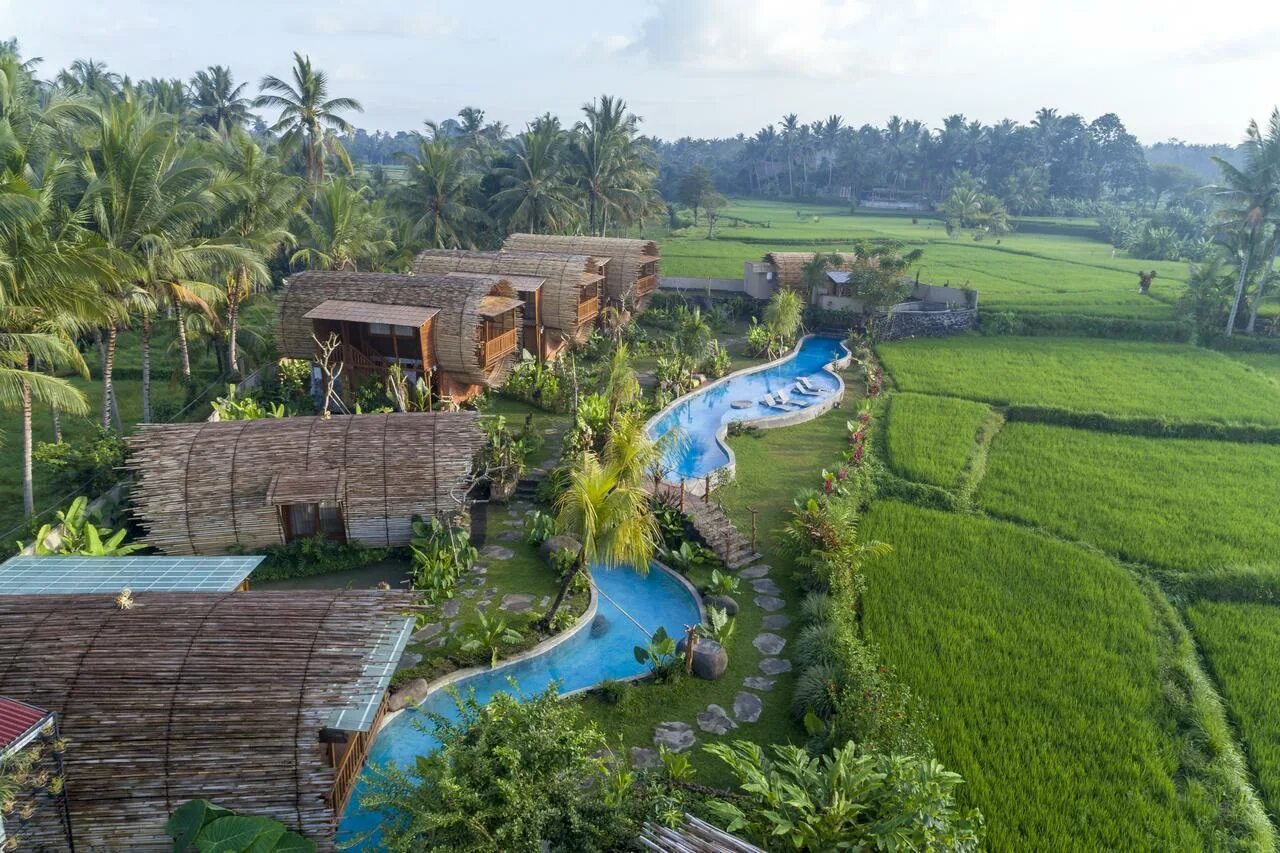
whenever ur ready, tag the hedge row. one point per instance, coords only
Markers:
(1153, 427)
(1084, 326)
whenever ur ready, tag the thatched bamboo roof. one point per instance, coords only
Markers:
(630, 261)
(455, 330)
(569, 279)
(790, 266)
(192, 695)
(205, 488)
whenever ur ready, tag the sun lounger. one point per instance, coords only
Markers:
(772, 402)
(786, 399)
(803, 384)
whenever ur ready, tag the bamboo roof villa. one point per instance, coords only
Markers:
(632, 274)
(460, 334)
(561, 309)
(208, 488)
(263, 702)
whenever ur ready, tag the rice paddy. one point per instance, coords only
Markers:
(1242, 645)
(930, 439)
(1179, 503)
(1040, 666)
(1181, 384)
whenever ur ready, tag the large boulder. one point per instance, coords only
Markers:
(558, 543)
(411, 692)
(724, 602)
(710, 660)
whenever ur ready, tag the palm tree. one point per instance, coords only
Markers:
(535, 194)
(830, 133)
(437, 195)
(308, 116)
(341, 230)
(89, 77)
(218, 100)
(606, 508)
(790, 128)
(167, 96)
(618, 381)
(608, 159)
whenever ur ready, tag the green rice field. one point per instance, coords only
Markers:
(1123, 378)
(1242, 645)
(1039, 665)
(931, 438)
(1186, 504)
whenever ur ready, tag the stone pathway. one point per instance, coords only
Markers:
(675, 736)
(715, 720)
(769, 644)
(757, 571)
(747, 707)
(775, 666)
(769, 602)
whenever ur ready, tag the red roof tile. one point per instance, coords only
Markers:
(17, 719)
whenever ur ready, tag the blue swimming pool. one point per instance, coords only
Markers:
(697, 420)
(584, 660)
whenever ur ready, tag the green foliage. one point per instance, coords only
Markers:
(687, 556)
(660, 655)
(723, 583)
(676, 767)
(819, 642)
(490, 634)
(780, 323)
(613, 691)
(1085, 326)
(92, 464)
(314, 555)
(719, 626)
(80, 536)
(539, 527)
(1070, 679)
(1183, 504)
(540, 384)
(442, 553)
(506, 451)
(234, 408)
(930, 439)
(201, 825)
(1118, 378)
(816, 607)
(847, 800)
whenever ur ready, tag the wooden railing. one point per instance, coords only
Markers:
(496, 347)
(352, 762)
(588, 309)
(646, 284)
(356, 359)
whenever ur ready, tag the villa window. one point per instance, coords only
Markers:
(314, 519)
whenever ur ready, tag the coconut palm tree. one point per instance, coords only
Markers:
(89, 77)
(218, 101)
(606, 508)
(535, 194)
(790, 130)
(830, 132)
(437, 195)
(341, 231)
(618, 381)
(308, 116)
(607, 158)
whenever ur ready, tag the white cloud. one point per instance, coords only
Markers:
(343, 21)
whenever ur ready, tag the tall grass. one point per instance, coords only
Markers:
(1042, 665)
(1242, 644)
(1129, 379)
(1178, 503)
(930, 439)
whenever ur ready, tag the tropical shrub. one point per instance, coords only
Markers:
(93, 465)
(80, 536)
(539, 527)
(441, 553)
(659, 653)
(817, 643)
(716, 363)
(314, 555)
(723, 583)
(201, 825)
(719, 626)
(817, 692)
(490, 634)
(250, 408)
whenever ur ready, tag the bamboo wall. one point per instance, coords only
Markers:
(628, 259)
(789, 267)
(202, 488)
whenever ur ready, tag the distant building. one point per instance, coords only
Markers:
(633, 270)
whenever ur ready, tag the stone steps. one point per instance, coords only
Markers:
(715, 528)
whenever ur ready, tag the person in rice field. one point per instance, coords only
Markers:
(1144, 281)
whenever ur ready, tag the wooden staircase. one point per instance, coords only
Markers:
(713, 525)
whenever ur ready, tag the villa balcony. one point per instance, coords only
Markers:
(588, 309)
(499, 347)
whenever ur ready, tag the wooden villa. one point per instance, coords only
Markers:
(562, 309)
(788, 269)
(262, 702)
(632, 274)
(207, 488)
(460, 334)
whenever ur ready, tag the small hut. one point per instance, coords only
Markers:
(262, 702)
(562, 309)
(632, 274)
(463, 335)
(205, 488)
(788, 268)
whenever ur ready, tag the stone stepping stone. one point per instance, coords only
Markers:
(454, 626)
(675, 736)
(451, 608)
(512, 522)
(516, 602)
(497, 552)
(645, 759)
(769, 644)
(510, 536)
(437, 643)
(759, 682)
(544, 602)
(715, 720)
(479, 569)
(769, 602)
(478, 581)
(766, 586)
(407, 660)
(747, 706)
(776, 621)
(754, 572)
(483, 604)
(426, 632)
(775, 666)
(470, 593)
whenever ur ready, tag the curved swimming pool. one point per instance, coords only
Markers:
(699, 419)
(585, 659)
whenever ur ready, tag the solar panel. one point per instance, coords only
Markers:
(53, 575)
(358, 714)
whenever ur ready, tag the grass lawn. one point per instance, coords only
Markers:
(1039, 666)
(1182, 503)
(1242, 645)
(516, 411)
(1051, 273)
(1125, 378)
(1264, 362)
(930, 439)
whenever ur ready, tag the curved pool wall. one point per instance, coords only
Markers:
(703, 415)
(577, 660)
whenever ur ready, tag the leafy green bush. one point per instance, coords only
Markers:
(78, 535)
(660, 655)
(490, 634)
(539, 527)
(817, 643)
(441, 555)
(723, 583)
(817, 691)
(613, 692)
(314, 555)
(201, 825)
(93, 465)
(999, 323)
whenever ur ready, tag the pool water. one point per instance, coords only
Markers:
(696, 450)
(584, 660)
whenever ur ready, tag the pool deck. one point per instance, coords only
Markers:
(698, 486)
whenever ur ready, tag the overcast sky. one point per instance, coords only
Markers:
(710, 67)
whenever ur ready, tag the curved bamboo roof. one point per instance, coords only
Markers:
(205, 488)
(569, 279)
(455, 330)
(790, 266)
(192, 695)
(629, 260)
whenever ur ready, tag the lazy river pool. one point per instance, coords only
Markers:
(585, 659)
(697, 420)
